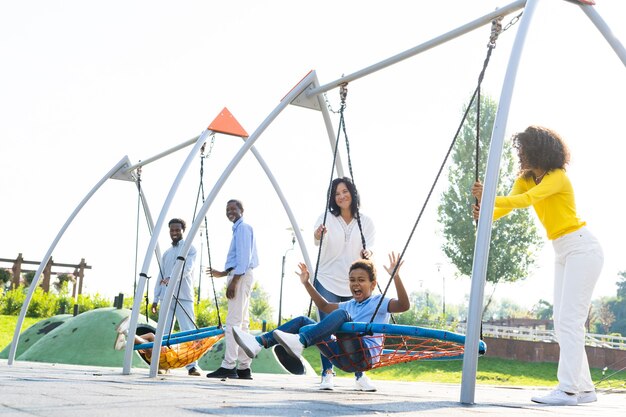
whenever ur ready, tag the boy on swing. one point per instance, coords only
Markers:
(301, 332)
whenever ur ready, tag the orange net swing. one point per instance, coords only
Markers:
(181, 354)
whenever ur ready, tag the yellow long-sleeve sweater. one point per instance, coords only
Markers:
(552, 199)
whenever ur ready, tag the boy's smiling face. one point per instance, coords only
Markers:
(360, 284)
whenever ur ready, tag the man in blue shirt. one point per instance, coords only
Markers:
(242, 258)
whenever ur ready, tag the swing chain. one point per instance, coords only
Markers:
(497, 29)
(329, 106)
(210, 147)
(513, 21)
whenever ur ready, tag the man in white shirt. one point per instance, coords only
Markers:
(182, 309)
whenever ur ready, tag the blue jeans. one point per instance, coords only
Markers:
(327, 366)
(346, 348)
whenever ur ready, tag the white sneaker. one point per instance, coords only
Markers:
(556, 397)
(587, 397)
(328, 382)
(122, 328)
(364, 384)
(291, 342)
(120, 342)
(247, 342)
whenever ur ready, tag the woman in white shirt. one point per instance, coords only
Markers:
(348, 235)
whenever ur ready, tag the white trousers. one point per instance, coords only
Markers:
(578, 262)
(238, 315)
(186, 320)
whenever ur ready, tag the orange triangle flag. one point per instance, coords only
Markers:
(226, 123)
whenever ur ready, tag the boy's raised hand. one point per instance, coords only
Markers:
(304, 273)
(393, 261)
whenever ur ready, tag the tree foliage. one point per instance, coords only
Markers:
(62, 282)
(5, 276)
(514, 239)
(260, 307)
(543, 310)
(621, 285)
(617, 306)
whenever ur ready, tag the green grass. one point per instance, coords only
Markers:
(7, 327)
(491, 371)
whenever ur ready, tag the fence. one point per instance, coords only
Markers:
(539, 345)
(17, 270)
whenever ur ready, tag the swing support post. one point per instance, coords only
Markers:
(122, 164)
(132, 328)
(485, 220)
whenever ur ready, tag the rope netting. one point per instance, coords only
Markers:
(181, 354)
(352, 354)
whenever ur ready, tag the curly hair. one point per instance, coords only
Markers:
(366, 265)
(540, 147)
(356, 200)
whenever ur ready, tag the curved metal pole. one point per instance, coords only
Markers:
(148, 214)
(283, 200)
(193, 230)
(483, 234)
(604, 29)
(123, 163)
(132, 326)
(462, 30)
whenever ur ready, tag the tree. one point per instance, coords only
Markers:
(62, 282)
(543, 310)
(5, 276)
(514, 238)
(605, 317)
(28, 278)
(621, 285)
(617, 306)
(260, 308)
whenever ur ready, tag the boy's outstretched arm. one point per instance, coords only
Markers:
(317, 298)
(402, 303)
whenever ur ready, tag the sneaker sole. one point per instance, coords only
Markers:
(587, 398)
(223, 376)
(243, 346)
(539, 401)
(287, 348)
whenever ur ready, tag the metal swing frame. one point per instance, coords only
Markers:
(307, 93)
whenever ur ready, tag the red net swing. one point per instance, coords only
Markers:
(390, 344)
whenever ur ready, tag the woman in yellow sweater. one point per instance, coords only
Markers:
(543, 184)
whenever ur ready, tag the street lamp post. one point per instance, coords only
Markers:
(200, 268)
(282, 276)
(443, 296)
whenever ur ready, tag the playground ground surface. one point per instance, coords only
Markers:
(44, 389)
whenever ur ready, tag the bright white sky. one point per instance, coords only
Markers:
(85, 83)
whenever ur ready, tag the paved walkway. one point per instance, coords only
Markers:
(51, 390)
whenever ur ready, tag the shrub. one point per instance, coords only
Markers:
(42, 304)
(12, 301)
